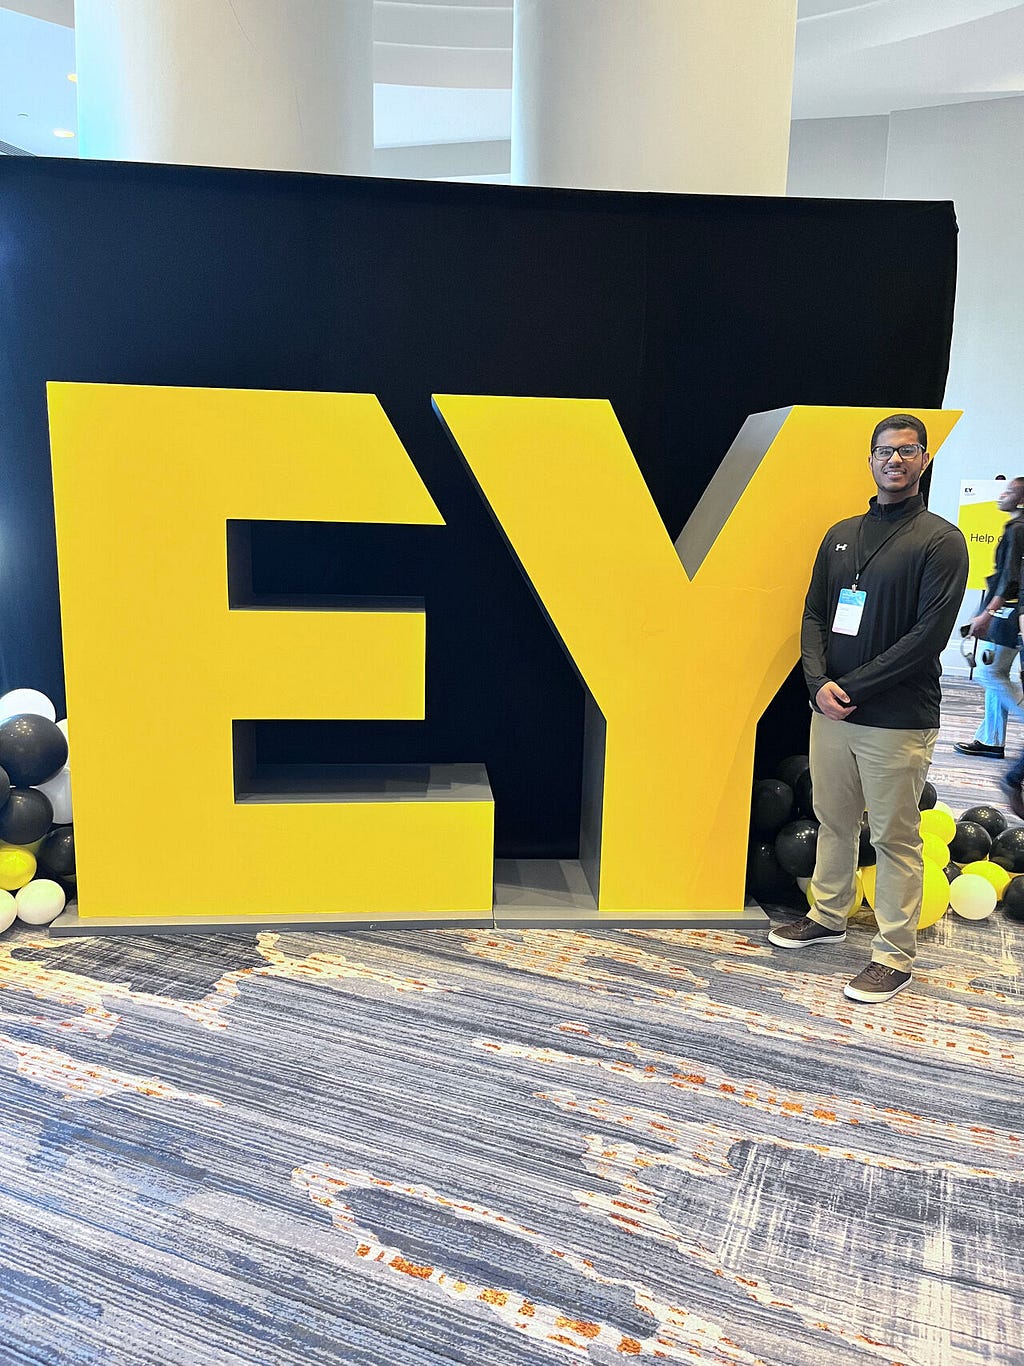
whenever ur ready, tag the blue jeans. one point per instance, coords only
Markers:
(1002, 697)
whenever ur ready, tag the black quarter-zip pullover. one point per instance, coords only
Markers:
(913, 569)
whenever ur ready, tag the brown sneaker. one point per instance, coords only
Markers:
(876, 983)
(801, 934)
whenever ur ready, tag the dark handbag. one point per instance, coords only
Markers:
(1005, 630)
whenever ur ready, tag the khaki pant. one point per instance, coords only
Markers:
(884, 770)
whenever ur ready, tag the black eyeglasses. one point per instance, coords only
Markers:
(904, 452)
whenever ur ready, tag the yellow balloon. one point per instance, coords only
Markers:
(867, 882)
(991, 872)
(935, 850)
(17, 867)
(936, 894)
(858, 893)
(939, 823)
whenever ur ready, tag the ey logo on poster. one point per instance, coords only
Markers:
(146, 480)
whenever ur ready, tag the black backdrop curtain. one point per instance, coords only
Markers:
(687, 312)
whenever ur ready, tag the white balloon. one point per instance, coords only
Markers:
(803, 883)
(8, 910)
(972, 896)
(58, 789)
(26, 702)
(40, 901)
(941, 806)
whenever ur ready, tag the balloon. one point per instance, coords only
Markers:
(27, 816)
(32, 749)
(1007, 848)
(766, 880)
(868, 878)
(5, 786)
(1013, 899)
(804, 794)
(39, 902)
(62, 726)
(971, 841)
(804, 883)
(927, 799)
(57, 854)
(990, 817)
(796, 847)
(17, 866)
(952, 870)
(790, 769)
(58, 789)
(866, 851)
(8, 910)
(991, 872)
(27, 702)
(935, 850)
(936, 896)
(33, 846)
(972, 897)
(941, 823)
(771, 805)
(941, 806)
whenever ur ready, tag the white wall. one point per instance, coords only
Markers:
(838, 158)
(972, 154)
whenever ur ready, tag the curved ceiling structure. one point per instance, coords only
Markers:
(437, 61)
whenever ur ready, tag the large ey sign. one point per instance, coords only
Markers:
(168, 653)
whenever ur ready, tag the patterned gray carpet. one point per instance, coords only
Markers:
(395, 1149)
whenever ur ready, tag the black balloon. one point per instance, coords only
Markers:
(766, 878)
(57, 852)
(952, 871)
(32, 749)
(790, 769)
(928, 798)
(5, 786)
(26, 817)
(796, 845)
(866, 856)
(1007, 849)
(989, 817)
(804, 795)
(1013, 899)
(770, 806)
(971, 841)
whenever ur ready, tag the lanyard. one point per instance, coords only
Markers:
(863, 564)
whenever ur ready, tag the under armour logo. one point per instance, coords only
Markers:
(841, 547)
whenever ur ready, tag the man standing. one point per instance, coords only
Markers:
(885, 592)
(996, 624)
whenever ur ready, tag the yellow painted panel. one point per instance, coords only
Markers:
(157, 665)
(982, 525)
(681, 670)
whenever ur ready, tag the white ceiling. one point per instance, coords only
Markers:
(443, 68)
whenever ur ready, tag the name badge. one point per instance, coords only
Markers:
(849, 611)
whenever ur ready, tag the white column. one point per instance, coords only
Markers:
(271, 84)
(681, 95)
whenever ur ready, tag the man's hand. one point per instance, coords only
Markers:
(832, 701)
(979, 625)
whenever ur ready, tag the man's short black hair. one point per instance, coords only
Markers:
(897, 423)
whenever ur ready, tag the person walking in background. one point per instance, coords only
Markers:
(997, 624)
(884, 595)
